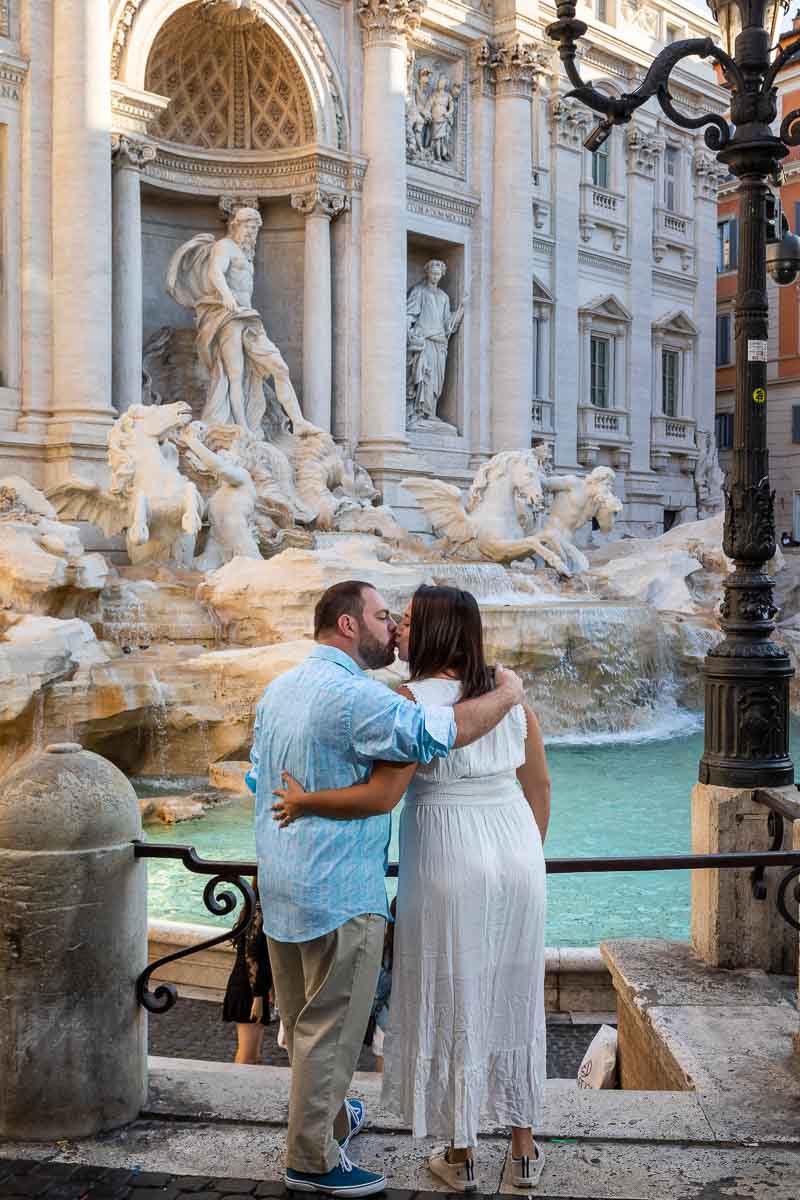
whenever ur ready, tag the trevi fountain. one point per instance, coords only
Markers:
(225, 513)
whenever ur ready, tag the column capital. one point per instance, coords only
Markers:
(229, 205)
(643, 152)
(514, 65)
(389, 20)
(316, 203)
(130, 153)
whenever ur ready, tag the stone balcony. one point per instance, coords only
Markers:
(603, 428)
(672, 437)
(604, 209)
(673, 231)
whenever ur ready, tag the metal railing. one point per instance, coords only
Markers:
(164, 996)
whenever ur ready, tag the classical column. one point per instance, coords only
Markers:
(81, 219)
(385, 24)
(36, 295)
(643, 150)
(514, 66)
(318, 208)
(570, 124)
(129, 156)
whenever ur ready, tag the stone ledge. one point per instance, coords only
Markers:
(726, 1036)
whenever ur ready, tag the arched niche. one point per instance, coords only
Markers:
(138, 26)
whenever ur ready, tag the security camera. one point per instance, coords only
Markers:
(598, 136)
(783, 257)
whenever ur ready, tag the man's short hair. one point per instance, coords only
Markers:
(343, 599)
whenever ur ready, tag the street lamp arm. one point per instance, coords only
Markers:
(618, 110)
(790, 127)
(782, 59)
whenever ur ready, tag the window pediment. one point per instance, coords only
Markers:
(606, 308)
(678, 323)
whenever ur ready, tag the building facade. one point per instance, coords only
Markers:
(374, 136)
(783, 370)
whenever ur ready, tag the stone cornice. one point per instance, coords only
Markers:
(389, 21)
(132, 110)
(12, 76)
(571, 122)
(446, 206)
(296, 171)
(129, 153)
(514, 65)
(606, 262)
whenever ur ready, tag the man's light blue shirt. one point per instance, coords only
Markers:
(327, 722)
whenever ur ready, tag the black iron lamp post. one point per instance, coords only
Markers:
(747, 675)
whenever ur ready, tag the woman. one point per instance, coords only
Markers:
(466, 1037)
(247, 994)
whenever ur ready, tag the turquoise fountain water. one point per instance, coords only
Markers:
(620, 796)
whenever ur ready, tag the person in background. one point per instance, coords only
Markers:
(247, 994)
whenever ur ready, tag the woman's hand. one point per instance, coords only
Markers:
(257, 1008)
(290, 804)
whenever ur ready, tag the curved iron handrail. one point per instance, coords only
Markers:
(164, 996)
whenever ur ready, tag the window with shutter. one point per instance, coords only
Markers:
(796, 422)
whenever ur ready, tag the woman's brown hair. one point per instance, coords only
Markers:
(447, 635)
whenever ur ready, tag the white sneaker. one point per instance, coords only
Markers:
(460, 1177)
(526, 1172)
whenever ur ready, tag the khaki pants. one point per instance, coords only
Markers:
(324, 989)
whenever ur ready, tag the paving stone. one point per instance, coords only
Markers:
(25, 1185)
(232, 1187)
(54, 1170)
(153, 1179)
(192, 1183)
(195, 1029)
(154, 1193)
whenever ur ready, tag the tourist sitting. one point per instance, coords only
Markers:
(247, 994)
(787, 540)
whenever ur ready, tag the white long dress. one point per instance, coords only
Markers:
(465, 1044)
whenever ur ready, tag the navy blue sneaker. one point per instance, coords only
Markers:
(345, 1180)
(356, 1115)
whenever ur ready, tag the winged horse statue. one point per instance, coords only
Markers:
(159, 509)
(497, 520)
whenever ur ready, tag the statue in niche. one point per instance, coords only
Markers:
(160, 511)
(214, 277)
(576, 499)
(709, 478)
(431, 114)
(431, 323)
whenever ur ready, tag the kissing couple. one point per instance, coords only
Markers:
(466, 1032)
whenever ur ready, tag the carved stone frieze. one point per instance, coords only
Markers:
(643, 151)
(275, 177)
(12, 76)
(571, 122)
(315, 202)
(429, 202)
(128, 152)
(389, 20)
(514, 66)
(641, 14)
(435, 114)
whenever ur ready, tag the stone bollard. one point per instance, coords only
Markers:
(73, 939)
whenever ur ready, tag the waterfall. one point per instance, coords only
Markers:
(593, 670)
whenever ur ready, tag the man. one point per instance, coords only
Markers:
(322, 881)
(215, 278)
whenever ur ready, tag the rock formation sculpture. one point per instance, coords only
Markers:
(506, 491)
(576, 500)
(158, 509)
(431, 324)
(709, 478)
(215, 279)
